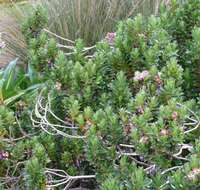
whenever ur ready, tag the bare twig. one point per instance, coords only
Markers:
(9, 180)
(171, 169)
(196, 120)
(127, 145)
(41, 113)
(57, 36)
(184, 146)
(140, 163)
(65, 179)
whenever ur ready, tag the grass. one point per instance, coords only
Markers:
(87, 19)
(92, 19)
(11, 17)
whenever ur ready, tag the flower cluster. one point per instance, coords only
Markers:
(193, 174)
(174, 115)
(4, 155)
(110, 37)
(140, 76)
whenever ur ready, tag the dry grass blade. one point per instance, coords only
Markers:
(11, 17)
(15, 44)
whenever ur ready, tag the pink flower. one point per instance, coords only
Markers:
(174, 115)
(193, 174)
(140, 76)
(164, 132)
(4, 155)
(110, 37)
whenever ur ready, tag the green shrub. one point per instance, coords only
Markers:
(15, 83)
(116, 117)
(182, 23)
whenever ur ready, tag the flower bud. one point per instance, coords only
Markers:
(174, 115)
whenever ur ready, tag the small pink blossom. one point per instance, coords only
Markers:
(140, 76)
(164, 132)
(4, 155)
(193, 174)
(144, 140)
(140, 110)
(174, 115)
(158, 80)
(110, 37)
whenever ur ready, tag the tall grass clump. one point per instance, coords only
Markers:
(90, 20)
(11, 17)
(87, 19)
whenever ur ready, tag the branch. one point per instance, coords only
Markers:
(57, 36)
(195, 121)
(171, 169)
(8, 180)
(42, 111)
(65, 179)
(25, 135)
(184, 146)
(127, 145)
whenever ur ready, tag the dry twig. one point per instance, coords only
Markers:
(65, 179)
(40, 118)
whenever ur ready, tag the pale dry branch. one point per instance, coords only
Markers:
(127, 145)
(57, 36)
(184, 146)
(68, 47)
(171, 169)
(64, 179)
(195, 119)
(40, 118)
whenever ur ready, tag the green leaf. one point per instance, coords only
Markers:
(21, 93)
(9, 74)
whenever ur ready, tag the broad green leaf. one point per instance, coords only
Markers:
(9, 74)
(32, 74)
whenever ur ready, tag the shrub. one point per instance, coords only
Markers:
(112, 118)
(182, 23)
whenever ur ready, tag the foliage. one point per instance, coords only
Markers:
(182, 22)
(14, 83)
(116, 116)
